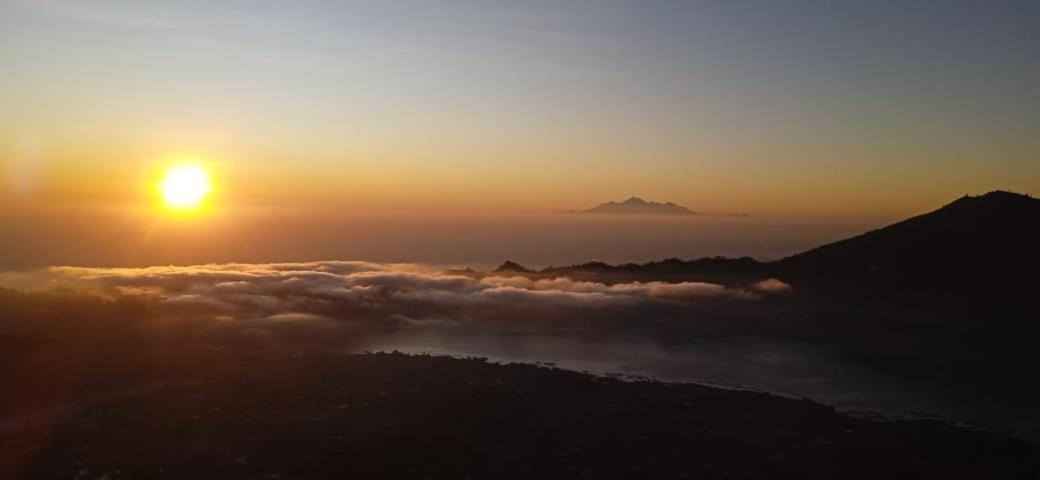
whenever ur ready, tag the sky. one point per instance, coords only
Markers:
(817, 109)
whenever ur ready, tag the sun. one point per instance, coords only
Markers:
(184, 187)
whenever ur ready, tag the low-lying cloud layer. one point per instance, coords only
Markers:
(339, 288)
(314, 297)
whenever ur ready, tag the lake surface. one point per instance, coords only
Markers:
(761, 364)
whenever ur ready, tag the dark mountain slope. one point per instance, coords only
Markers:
(987, 245)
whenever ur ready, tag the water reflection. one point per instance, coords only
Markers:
(751, 363)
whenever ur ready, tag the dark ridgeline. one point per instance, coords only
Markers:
(985, 247)
(729, 271)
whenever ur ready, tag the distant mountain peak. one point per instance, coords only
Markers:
(511, 266)
(636, 205)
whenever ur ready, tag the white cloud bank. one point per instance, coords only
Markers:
(345, 289)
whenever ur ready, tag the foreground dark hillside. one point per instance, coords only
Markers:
(206, 414)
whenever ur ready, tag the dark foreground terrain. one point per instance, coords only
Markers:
(207, 414)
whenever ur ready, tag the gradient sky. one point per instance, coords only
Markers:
(801, 107)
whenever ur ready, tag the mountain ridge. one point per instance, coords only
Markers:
(985, 242)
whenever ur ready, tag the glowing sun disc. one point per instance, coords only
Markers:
(184, 186)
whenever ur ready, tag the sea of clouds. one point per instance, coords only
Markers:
(370, 297)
